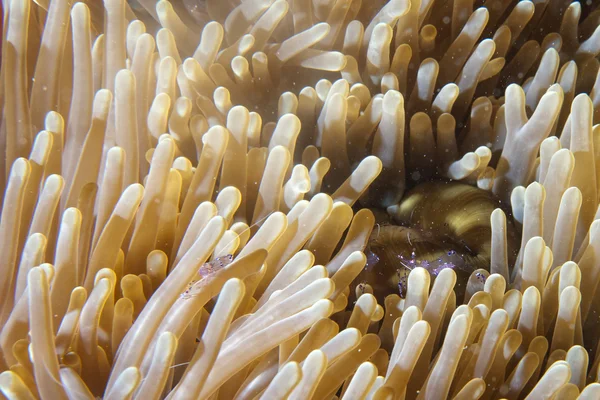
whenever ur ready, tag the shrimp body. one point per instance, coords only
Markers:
(205, 270)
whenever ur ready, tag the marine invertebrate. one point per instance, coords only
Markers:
(437, 225)
(145, 139)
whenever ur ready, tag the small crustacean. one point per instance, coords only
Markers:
(205, 270)
(215, 265)
(198, 10)
(439, 225)
(451, 260)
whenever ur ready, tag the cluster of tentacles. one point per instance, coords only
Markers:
(192, 188)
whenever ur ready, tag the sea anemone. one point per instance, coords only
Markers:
(199, 196)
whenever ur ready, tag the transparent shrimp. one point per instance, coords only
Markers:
(207, 269)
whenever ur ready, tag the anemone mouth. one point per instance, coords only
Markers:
(438, 224)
